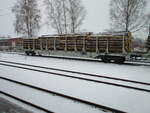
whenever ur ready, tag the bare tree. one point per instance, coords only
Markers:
(128, 15)
(77, 14)
(54, 11)
(65, 16)
(27, 17)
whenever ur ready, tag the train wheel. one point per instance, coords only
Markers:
(27, 53)
(120, 60)
(105, 60)
(32, 54)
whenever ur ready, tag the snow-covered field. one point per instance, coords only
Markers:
(128, 100)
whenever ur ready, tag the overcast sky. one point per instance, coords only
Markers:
(97, 19)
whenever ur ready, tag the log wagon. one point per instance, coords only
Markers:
(110, 47)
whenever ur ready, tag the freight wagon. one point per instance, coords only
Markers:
(4, 44)
(110, 47)
(11, 44)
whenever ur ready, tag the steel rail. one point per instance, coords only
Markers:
(82, 73)
(80, 78)
(92, 60)
(65, 96)
(25, 102)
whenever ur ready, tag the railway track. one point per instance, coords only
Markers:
(75, 72)
(134, 63)
(25, 102)
(103, 108)
(124, 83)
(128, 62)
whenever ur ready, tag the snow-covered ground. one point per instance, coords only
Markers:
(140, 73)
(51, 102)
(15, 106)
(128, 100)
(69, 74)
